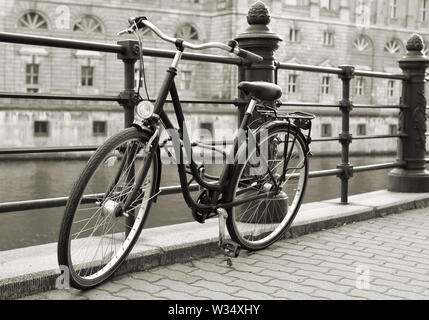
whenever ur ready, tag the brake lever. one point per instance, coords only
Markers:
(129, 30)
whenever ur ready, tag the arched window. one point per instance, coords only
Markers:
(32, 20)
(361, 43)
(393, 47)
(88, 24)
(187, 32)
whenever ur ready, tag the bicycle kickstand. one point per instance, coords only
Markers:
(229, 248)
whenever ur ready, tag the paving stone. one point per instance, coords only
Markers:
(213, 276)
(178, 285)
(253, 295)
(260, 278)
(137, 284)
(370, 295)
(185, 267)
(290, 286)
(70, 294)
(253, 286)
(214, 267)
(407, 295)
(215, 286)
(317, 275)
(96, 294)
(293, 295)
(176, 275)
(326, 285)
(399, 286)
(175, 295)
(280, 275)
(113, 287)
(333, 295)
(293, 252)
(147, 276)
(216, 295)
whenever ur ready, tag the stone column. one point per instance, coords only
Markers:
(258, 38)
(413, 176)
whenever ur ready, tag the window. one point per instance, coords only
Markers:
(393, 129)
(326, 85)
(326, 130)
(187, 32)
(292, 85)
(363, 13)
(391, 89)
(87, 76)
(207, 126)
(327, 4)
(328, 38)
(291, 2)
(424, 5)
(32, 73)
(32, 20)
(393, 9)
(99, 128)
(361, 130)
(293, 35)
(32, 76)
(88, 24)
(41, 128)
(392, 47)
(360, 87)
(361, 43)
(185, 80)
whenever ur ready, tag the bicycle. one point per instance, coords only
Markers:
(256, 197)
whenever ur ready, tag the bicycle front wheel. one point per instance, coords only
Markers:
(256, 224)
(96, 234)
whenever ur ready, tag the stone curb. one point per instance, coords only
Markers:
(156, 255)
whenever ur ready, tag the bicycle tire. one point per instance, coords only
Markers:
(125, 146)
(267, 213)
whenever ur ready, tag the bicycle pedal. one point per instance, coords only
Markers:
(230, 248)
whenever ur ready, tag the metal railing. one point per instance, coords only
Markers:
(125, 51)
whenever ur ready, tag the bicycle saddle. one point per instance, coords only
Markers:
(261, 90)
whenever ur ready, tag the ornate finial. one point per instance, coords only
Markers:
(258, 14)
(415, 43)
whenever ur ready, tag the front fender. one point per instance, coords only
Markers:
(139, 125)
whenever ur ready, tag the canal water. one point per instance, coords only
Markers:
(38, 179)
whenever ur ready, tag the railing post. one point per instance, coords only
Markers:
(413, 176)
(258, 38)
(346, 138)
(128, 99)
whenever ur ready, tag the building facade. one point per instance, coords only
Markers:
(369, 34)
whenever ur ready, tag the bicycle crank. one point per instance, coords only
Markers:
(228, 247)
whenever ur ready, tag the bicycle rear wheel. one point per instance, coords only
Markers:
(257, 224)
(95, 235)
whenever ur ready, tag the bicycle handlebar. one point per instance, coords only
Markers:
(141, 22)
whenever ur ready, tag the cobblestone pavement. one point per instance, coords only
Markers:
(385, 258)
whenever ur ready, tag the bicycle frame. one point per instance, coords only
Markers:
(169, 87)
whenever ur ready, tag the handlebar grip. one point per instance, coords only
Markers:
(138, 21)
(249, 56)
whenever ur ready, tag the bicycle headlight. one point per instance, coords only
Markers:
(144, 110)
